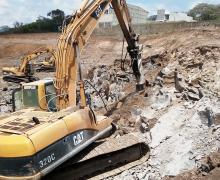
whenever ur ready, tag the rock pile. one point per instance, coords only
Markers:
(185, 101)
(109, 82)
(6, 98)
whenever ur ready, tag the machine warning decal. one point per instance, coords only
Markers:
(78, 138)
(30, 87)
(97, 13)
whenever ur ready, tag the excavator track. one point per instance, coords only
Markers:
(19, 79)
(104, 159)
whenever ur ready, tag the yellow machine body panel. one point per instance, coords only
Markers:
(48, 135)
(38, 141)
(14, 145)
(12, 70)
(22, 137)
(85, 119)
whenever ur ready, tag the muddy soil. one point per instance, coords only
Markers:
(178, 113)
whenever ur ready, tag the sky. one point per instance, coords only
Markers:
(27, 11)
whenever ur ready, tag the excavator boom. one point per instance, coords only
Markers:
(74, 38)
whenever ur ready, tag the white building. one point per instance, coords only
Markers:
(178, 16)
(173, 16)
(161, 16)
(138, 15)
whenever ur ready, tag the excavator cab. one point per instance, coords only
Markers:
(39, 95)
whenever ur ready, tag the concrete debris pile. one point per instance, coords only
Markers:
(181, 136)
(109, 84)
(194, 72)
(113, 83)
(200, 68)
(184, 99)
(6, 98)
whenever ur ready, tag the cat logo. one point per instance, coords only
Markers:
(78, 138)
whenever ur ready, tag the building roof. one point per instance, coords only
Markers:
(137, 7)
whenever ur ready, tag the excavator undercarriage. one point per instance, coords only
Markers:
(105, 158)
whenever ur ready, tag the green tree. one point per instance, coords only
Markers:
(204, 12)
(42, 24)
(17, 26)
(57, 16)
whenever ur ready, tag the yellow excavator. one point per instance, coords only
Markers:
(54, 132)
(25, 71)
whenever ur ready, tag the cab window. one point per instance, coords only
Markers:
(30, 96)
(51, 97)
(17, 99)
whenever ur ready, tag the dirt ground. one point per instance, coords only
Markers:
(98, 49)
(179, 112)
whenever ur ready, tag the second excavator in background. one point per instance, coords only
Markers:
(29, 64)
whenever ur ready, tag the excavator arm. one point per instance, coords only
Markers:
(25, 60)
(73, 40)
(134, 49)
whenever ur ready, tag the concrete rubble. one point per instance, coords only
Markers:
(6, 97)
(186, 130)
